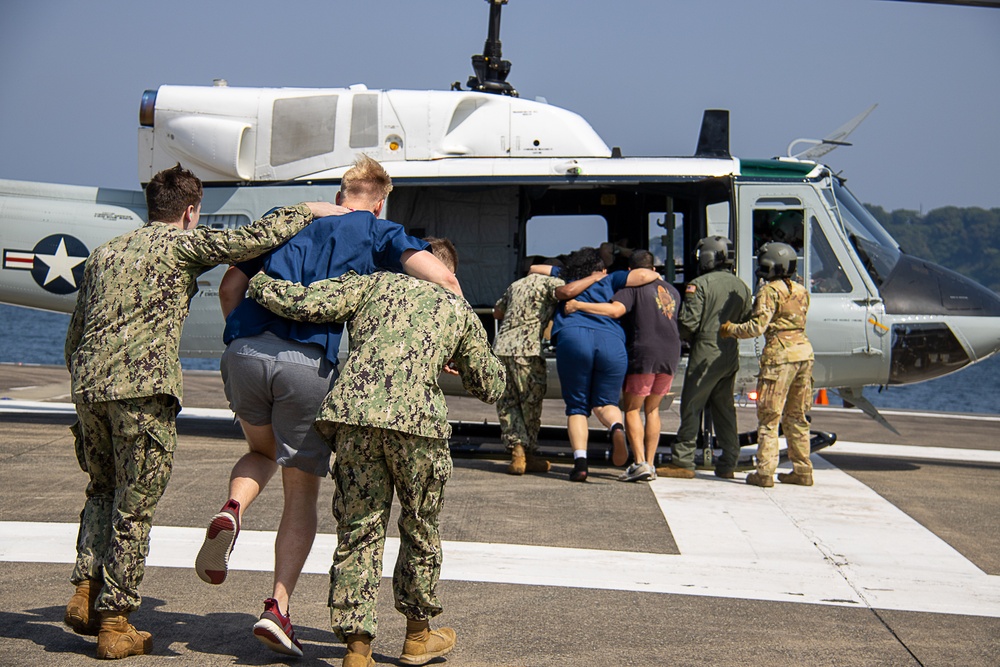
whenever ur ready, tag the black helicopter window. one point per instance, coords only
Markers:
(826, 275)
(302, 127)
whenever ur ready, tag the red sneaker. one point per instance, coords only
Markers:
(274, 630)
(212, 563)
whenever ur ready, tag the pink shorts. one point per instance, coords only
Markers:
(644, 384)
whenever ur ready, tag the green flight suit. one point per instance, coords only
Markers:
(710, 300)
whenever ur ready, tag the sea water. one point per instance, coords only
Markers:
(36, 337)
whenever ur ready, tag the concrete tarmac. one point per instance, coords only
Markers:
(893, 558)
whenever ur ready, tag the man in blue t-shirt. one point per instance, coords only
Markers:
(277, 372)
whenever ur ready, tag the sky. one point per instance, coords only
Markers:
(641, 72)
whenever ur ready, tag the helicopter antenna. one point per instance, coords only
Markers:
(830, 141)
(490, 68)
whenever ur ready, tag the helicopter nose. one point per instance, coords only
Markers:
(943, 320)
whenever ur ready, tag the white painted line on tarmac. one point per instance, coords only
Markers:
(836, 543)
(914, 452)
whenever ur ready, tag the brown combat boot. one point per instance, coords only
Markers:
(423, 644)
(801, 479)
(518, 461)
(359, 651)
(80, 614)
(119, 639)
(756, 479)
(675, 471)
(535, 463)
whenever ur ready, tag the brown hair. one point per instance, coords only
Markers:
(367, 180)
(170, 192)
(444, 250)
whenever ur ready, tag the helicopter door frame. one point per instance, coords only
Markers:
(839, 322)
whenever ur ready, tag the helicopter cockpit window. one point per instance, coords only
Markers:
(878, 250)
(826, 275)
(780, 224)
(364, 121)
(784, 225)
(302, 127)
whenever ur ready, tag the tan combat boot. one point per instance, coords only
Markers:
(119, 639)
(80, 614)
(518, 461)
(536, 463)
(756, 479)
(801, 479)
(423, 644)
(675, 471)
(359, 651)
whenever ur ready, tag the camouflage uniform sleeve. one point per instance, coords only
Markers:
(764, 307)
(211, 247)
(76, 325)
(332, 300)
(483, 375)
(689, 319)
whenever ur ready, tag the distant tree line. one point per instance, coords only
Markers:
(966, 240)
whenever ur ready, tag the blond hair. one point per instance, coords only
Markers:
(366, 181)
(445, 251)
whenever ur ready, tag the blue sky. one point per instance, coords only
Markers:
(640, 72)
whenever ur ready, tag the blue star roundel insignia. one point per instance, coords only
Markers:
(59, 262)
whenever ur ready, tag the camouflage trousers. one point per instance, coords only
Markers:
(369, 463)
(127, 448)
(520, 407)
(784, 395)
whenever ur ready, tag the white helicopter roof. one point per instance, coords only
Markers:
(231, 135)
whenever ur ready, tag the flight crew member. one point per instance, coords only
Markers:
(277, 373)
(387, 422)
(784, 387)
(122, 354)
(714, 297)
(525, 309)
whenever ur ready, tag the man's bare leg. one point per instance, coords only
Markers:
(255, 468)
(651, 406)
(296, 531)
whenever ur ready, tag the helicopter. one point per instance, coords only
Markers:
(492, 171)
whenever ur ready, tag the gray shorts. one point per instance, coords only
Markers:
(269, 380)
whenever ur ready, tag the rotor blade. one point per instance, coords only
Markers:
(836, 138)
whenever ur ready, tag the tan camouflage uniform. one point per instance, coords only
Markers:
(784, 387)
(122, 351)
(387, 421)
(526, 307)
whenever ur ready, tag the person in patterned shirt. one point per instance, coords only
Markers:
(525, 309)
(784, 387)
(387, 422)
(122, 352)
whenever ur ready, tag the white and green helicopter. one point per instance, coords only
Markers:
(493, 172)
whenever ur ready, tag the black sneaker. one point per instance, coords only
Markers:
(579, 473)
(274, 630)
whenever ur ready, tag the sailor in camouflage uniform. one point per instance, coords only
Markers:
(784, 387)
(122, 354)
(526, 307)
(387, 422)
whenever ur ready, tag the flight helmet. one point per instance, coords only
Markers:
(776, 260)
(714, 253)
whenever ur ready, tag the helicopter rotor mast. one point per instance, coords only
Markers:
(490, 68)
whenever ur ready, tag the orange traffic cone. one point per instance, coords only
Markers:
(821, 398)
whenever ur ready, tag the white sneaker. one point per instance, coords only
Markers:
(637, 472)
